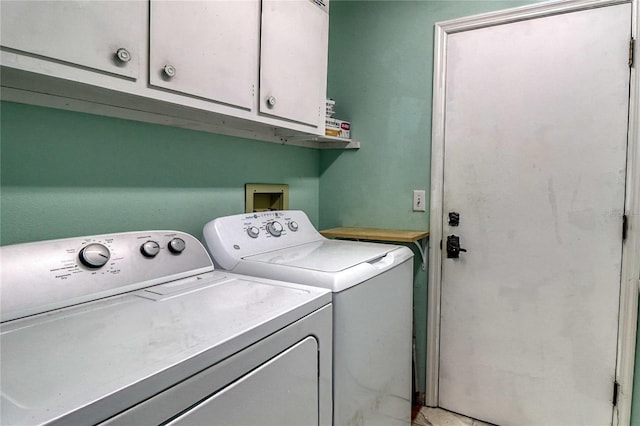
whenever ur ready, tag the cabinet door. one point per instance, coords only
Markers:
(90, 34)
(293, 62)
(206, 49)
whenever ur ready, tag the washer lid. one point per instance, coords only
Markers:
(90, 361)
(325, 255)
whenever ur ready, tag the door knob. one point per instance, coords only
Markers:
(453, 247)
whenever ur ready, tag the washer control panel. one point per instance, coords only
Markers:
(46, 275)
(269, 224)
(231, 238)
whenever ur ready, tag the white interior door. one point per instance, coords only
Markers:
(534, 163)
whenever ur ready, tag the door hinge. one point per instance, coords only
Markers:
(616, 390)
(625, 226)
(631, 48)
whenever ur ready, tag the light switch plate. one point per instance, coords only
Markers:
(419, 201)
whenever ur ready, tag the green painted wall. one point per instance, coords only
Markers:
(66, 174)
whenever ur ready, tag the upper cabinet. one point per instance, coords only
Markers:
(249, 68)
(207, 49)
(293, 61)
(99, 35)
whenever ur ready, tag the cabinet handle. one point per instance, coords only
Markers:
(271, 101)
(123, 55)
(169, 71)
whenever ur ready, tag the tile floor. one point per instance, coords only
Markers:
(428, 416)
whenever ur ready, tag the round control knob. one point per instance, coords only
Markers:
(169, 71)
(123, 55)
(94, 255)
(253, 231)
(271, 101)
(274, 228)
(150, 249)
(176, 245)
(293, 225)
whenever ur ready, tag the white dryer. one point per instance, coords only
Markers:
(139, 329)
(372, 286)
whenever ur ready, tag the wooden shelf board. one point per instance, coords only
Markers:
(375, 234)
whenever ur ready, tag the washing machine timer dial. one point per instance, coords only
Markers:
(275, 228)
(94, 255)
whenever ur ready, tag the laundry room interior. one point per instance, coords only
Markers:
(66, 173)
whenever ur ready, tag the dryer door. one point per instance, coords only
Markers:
(282, 391)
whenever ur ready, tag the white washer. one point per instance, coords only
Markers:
(372, 301)
(138, 328)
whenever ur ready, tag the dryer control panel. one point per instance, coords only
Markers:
(40, 276)
(231, 238)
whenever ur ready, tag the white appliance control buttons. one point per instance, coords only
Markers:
(94, 255)
(150, 249)
(274, 228)
(176, 245)
(293, 225)
(253, 231)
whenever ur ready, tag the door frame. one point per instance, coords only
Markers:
(630, 275)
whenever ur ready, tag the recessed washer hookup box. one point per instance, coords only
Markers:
(337, 128)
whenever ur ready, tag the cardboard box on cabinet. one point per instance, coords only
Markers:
(337, 128)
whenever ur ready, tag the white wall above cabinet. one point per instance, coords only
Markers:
(205, 65)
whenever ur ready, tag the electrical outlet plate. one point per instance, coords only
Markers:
(419, 201)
